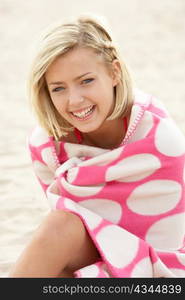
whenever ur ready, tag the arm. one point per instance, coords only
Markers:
(40, 148)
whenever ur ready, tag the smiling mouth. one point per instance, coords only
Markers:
(84, 114)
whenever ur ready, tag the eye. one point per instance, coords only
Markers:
(57, 89)
(88, 80)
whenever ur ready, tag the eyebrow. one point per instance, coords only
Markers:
(78, 77)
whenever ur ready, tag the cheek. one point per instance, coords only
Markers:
(108, 97)
(58, 103)
(103, 93)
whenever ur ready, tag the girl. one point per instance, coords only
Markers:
(110, 160)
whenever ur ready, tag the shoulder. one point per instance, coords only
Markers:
(141, 98)
(37, 141)
(157, 119)
(38, 137)
(43, 148)
(150, 103)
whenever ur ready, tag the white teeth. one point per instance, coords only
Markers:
(84, 113)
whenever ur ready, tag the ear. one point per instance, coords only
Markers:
(116, 72)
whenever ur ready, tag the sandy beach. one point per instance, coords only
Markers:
(151, 38)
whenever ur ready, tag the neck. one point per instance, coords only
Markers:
(110, 135)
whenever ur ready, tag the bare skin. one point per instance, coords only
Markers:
(60, 246)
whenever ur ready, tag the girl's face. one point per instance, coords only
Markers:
(81, 88)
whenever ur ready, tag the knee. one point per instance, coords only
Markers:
(57, 224)
(55, 220)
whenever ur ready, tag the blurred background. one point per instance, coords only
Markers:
(150, 35)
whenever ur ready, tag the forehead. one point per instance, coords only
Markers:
(75, 61)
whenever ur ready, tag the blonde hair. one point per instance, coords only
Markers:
(85, 31)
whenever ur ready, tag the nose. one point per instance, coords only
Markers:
(75, 98)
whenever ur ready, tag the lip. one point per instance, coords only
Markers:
(85, 118)
(82, 109)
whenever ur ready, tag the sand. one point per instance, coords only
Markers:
(151, 38)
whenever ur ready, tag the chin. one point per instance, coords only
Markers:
(91, 126)
(86, 130)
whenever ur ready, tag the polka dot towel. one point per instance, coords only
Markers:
(131, 199)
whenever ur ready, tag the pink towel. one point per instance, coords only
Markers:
(131, 199)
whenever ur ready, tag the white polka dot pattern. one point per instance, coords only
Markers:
(48, 158)
(104, 159)
(169, 140)
(161, 270)
(106, 208)
(89, 271)
(81, 191)
(169, 238)
(109, 239)
(38, 137)
(158, 200)
(43, 172)
(178, 272)
(143, 269)
(133, 168)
